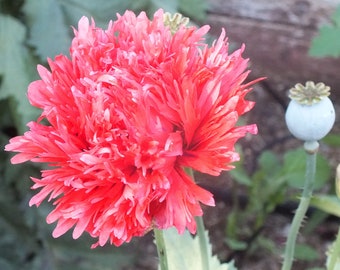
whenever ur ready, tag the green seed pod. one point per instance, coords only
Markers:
(310, 114)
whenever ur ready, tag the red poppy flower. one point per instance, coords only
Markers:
(123, 116)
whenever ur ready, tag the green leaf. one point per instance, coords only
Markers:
(294, 166)
(49, 34)
(52, 40)
(77, 254)
(327, 203)
(183, 252)
(167, 6)
(327, 43)
(101, 10)
(4, 264)
(269, 163)
(235, 244)
(305, 253)
(333, 258)
(240, 175)
(232, 227)
(336, 17)
(6, 122)
(16, 70)
(194, 9)
(332, 140)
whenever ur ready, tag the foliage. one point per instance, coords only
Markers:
(268, 187)
(16, 69)
(190, 256)
(327, 203)
(30, 32)
(327, 43)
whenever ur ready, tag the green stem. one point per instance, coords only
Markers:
(334, 254)
(201, 234)
(161, 250)
(303, 205)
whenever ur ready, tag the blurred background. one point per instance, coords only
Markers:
(287, 41)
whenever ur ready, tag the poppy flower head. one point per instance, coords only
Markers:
(126, 112)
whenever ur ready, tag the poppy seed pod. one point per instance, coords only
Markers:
(310, 114)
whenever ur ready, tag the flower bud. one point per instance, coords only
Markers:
(337, 181)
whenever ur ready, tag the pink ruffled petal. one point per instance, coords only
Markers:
(123, 115)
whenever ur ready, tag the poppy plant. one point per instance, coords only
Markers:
(123, 116)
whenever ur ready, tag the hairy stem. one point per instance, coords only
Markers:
(205, 254)
(334, 254)
(161, 249)
(303, 205)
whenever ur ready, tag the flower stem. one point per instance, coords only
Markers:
(334, 255)
(161, 249)
(311, 150)
(201, 234)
